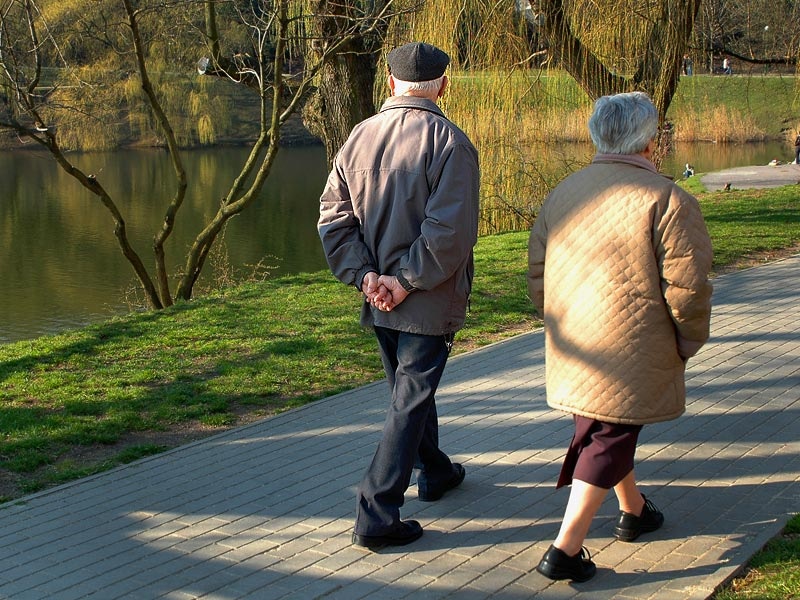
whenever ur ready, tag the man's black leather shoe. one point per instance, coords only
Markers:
(403, 533)
(630, 526)
(428, 493)
(556, 564)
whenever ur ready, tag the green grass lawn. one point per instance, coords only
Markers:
(773, 573)
(746, 222)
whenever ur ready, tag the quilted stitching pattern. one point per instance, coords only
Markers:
(615, 330)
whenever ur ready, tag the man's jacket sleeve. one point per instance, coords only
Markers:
(348, 257)
(537, 248)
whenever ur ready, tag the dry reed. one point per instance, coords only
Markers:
(516, 120)
(716, 124)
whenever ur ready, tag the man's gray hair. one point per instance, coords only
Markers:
(623, 123)
(401, 88)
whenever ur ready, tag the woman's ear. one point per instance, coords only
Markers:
(649, 149)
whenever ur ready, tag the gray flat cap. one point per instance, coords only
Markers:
(417, 61)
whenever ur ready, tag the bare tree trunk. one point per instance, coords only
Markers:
(271, 119)
(570, 53)
(344, 98)
(346, 80)
(660, 71)
(91, 183)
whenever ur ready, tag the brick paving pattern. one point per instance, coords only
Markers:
(266, 511)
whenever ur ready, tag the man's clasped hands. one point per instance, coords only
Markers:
(384, 292)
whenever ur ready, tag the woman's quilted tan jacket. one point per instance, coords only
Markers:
(619, 259)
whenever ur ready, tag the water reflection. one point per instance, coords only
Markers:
(61, 267)
(708, 157)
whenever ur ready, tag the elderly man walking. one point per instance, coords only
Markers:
(398, 220)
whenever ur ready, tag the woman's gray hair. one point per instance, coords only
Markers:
(401, 87)
(623, 123)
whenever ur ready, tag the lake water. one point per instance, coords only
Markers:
(61, 267)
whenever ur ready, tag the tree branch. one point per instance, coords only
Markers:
(174, 154)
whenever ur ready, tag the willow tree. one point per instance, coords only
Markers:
(346, 80)
(259, 46)
(607, 46)
(511, 97)
(612, 46)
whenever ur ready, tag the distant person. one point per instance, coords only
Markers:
(687, 65)
(619, 258)
(688, 171)
(797, 149)
(399, 220)
(726, 66)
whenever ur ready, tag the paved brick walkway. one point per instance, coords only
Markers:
(756, 176)
(265, 511)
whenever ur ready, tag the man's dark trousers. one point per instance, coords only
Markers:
(414, 365)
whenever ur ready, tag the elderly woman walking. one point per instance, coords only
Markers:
(619, 258)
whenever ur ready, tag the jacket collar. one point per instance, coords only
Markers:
(637, 160)
(411, 102)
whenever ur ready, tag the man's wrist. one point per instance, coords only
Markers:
(404, 283)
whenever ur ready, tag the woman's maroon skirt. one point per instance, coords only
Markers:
(600, 454)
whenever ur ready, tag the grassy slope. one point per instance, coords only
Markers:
(251, 351)
(260, 348)
(772, 101)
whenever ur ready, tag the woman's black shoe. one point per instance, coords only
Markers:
(630, 526)
(555, 564)
(403, 533)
